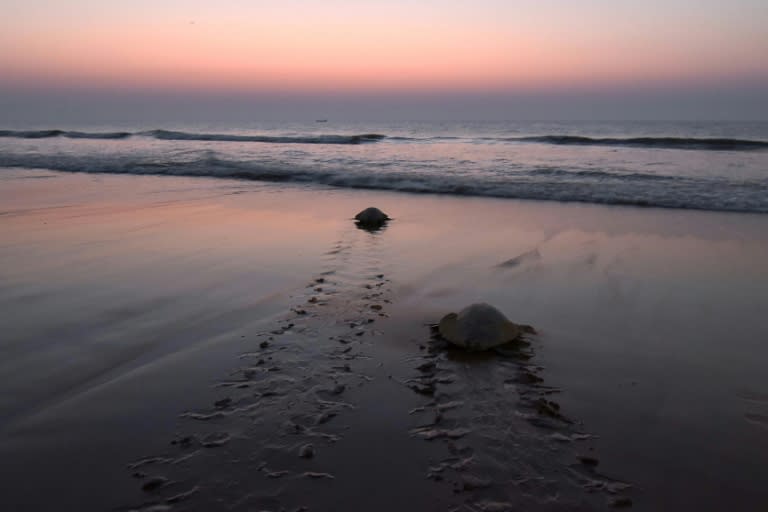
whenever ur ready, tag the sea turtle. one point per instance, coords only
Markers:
(371, 218)
(479, 327)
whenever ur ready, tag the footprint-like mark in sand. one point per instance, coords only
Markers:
(755, 399)
(281, 409)
(758, 419)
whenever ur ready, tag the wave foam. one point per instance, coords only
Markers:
(551, 184)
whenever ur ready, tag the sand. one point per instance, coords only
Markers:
(200, 344)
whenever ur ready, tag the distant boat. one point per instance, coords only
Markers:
(321, 120)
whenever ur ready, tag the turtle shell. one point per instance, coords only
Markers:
(371, 217)
(478, 327)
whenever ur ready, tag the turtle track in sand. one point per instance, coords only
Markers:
(508, 445)
(283, 406)
(268, 441)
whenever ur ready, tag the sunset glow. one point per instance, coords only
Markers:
(344, 45)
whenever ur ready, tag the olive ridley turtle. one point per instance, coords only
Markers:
(479, 327)
(371, 218)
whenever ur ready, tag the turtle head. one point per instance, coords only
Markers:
(448, 328)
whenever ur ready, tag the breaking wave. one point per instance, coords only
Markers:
(179, 135)
(705, 144)
(309, 139)
(48, 134)
(539, 183)
(685, 143)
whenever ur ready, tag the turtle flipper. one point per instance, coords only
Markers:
(511, 331)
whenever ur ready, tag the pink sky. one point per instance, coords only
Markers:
(301, 45)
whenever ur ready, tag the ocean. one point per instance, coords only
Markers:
(688, 165)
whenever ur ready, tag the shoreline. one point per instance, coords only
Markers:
(268, 179)
(618, 295)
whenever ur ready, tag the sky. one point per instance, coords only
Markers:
(429, 58)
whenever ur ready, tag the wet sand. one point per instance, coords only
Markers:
(196, 344)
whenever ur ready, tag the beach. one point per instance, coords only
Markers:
(378, 256)
(197, 343)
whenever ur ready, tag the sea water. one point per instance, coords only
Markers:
(690, 165)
